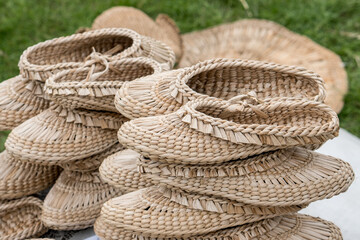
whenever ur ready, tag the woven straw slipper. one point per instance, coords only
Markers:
(44, 59)
(18, 179)
(280, 178)
(20, 218)
(75, 201)
(267, 41)
(163, 29)
(120, 170)
(91, 163)
(148, 212)
(213, 130)
(94, 86)
(58, 135)
(18, 103)
(221, 78)
(287, 227)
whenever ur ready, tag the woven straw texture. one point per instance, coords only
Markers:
(267, 41)
(18, 179)
(163, 29)
(220, 78)
(91, 163)
(287, 227)
(148, 212)
(94, 86)
(18, 102)
(58, 135)
(213, 130)
(75, 201)
(44, 59)
(120, 170)
(20, 218)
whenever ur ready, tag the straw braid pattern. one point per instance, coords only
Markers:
(18, 179)
(20, 218)
(74, 202)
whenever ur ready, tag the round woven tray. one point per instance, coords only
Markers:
(163, 28)
(267, 41)
(20, 218)
(18, 102)
(75, 201)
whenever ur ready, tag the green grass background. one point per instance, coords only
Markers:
(26, 22)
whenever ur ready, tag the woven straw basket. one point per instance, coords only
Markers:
(75, 201)
(20, 218)
(163, 29)
(18, 179)
(18, 103)
(213, 130)
(58, 135)
(120, 170)
(94, 86)
(148, 212)
(287, 227)
(267, 41)
(221, 78)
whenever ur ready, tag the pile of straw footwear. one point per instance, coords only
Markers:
(216, 149)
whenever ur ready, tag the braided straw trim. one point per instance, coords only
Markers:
(18, 179)
(19, 219)
(120, 170)
(304, 177)
(75, 201)
(17, 103)
(56, 136)
(148, 212)
(91, 163)
(70, 88)
(267, 41)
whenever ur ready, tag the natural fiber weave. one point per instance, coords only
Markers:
(58, 135)
(148, 212)
(120, 170)
(44, 59)
(18, 179)
(94, 86)
(91, 163)
(267, 41)
(287, 227)
(221, 78)
(163, 29)
(75, 201)
(20, 218)
(212, 130)
(280, 178)
(18, 102)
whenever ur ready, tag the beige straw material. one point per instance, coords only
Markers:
(212, 130)
(287, 227)
(281, 178)
(220, 78)
(44, 59)
(91, 163)
(94, 86)
(58, 135)
(75, 201)
(20, 218)
(149, 213)
(267, 41)
(18, 179)
(120, 170)
(163, 29)
(18, 102)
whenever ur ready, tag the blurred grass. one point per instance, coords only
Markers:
(26, 22)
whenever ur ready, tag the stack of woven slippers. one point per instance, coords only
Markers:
(227, 145)
(63, 114)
